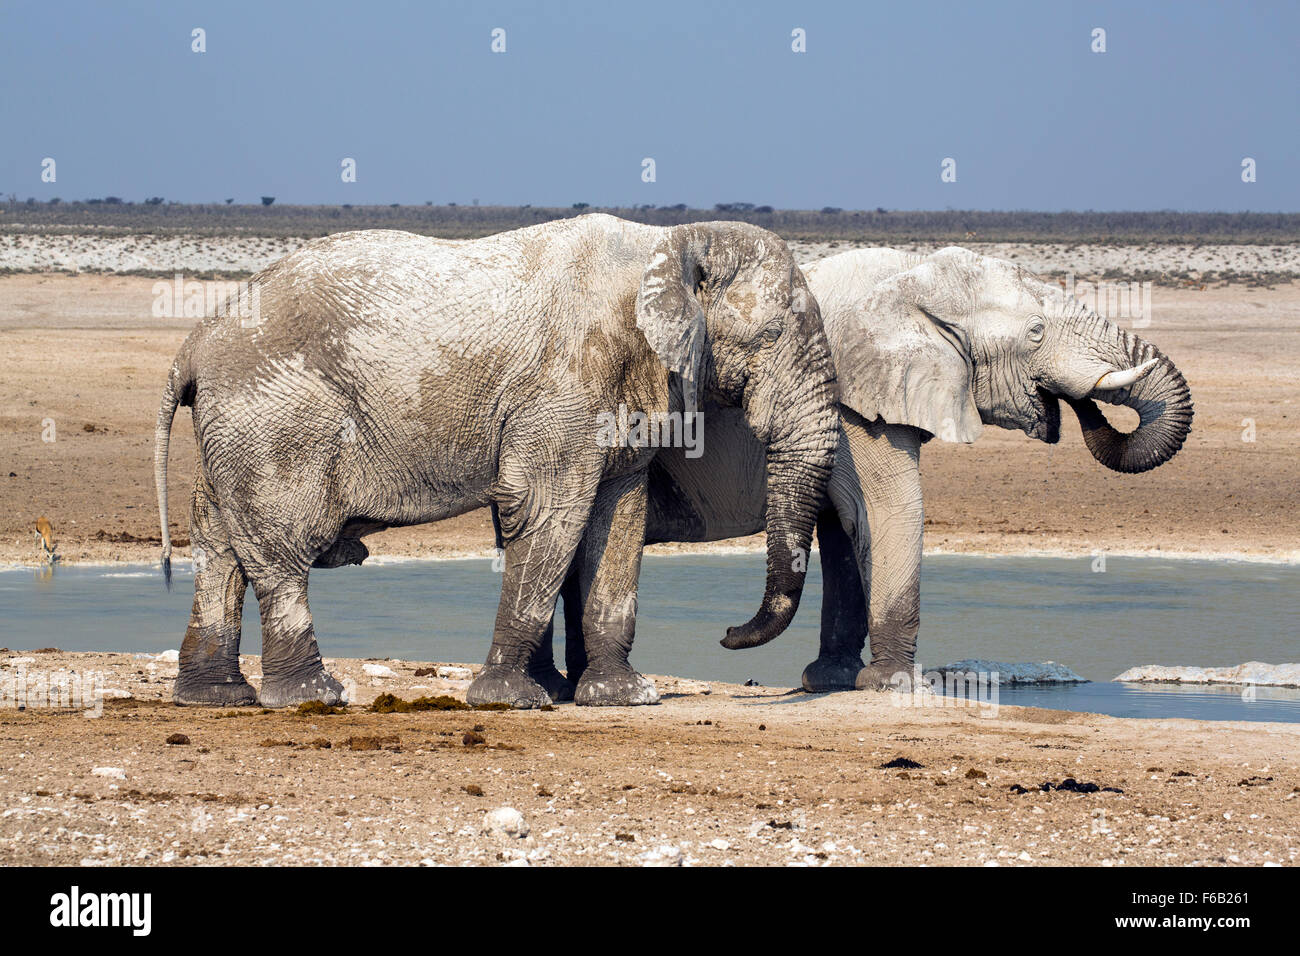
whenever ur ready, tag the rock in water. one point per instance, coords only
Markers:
(1252, 672)
(1046, 672)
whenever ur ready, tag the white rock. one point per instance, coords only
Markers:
(1023, 672)
(378, 670)
(172, 656)
(112, 693)
(1252, 672)
(521, 861)
(506, 820)
(663, 855)
(113, 773)
(720, 844)
(448, 672)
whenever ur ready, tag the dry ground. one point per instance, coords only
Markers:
(719, 774)
(84, 353)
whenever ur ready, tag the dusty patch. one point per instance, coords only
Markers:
(833, 779)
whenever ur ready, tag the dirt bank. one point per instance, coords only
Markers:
(85, 363)
(716, 774)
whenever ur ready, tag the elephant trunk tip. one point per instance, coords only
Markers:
(772, 618)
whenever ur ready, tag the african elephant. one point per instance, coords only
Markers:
(923, 346)
(391, 379)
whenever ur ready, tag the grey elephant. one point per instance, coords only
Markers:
(391, 379)
(924, 346)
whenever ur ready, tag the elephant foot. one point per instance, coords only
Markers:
(624, 688)
(290, 692)
(503, 685)
(233, 692)
(884, 677)
(832, 673)
(553, 682)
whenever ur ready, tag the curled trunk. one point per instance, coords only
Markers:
(1164, 406)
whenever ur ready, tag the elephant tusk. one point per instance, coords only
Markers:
(1125, 378)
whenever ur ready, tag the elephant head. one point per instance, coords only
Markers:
(953, 341)
(729, 312)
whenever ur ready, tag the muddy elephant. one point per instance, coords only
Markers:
(390, 379)
(924, 346)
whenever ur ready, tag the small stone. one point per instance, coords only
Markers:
(447, 672)
(720, 844)
(378, 670)
(171, 657)
(507, 821)
(113, 773)
(178, 740)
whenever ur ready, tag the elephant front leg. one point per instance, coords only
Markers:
(608, 565)
(895, 520)
(540, 539)
(871, 557)
(844, 611)
(209, 673)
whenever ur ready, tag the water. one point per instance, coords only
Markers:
(1139, 611)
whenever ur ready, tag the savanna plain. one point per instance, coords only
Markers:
(716, 773)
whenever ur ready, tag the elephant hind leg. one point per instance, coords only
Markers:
(292, 669)
(844, 611)
(209, 673)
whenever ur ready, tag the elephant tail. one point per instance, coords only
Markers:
(179, 391)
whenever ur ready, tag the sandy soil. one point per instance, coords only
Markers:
(715, 775)
(85, 354)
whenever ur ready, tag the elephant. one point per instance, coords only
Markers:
(924, 346)
(391, 379)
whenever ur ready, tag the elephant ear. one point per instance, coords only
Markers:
(668, 311)
(897, 358)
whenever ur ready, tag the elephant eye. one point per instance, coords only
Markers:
(1036, 330)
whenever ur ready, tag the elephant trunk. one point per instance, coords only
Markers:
(798, 467)
(1161, 399)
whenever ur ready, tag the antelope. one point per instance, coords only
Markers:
(45, 535)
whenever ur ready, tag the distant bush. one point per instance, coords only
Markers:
(267, 200)
(154, 201)
(111, 216)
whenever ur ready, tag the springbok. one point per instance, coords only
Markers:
(45, 535)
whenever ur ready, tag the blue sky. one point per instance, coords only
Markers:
(710, 90)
